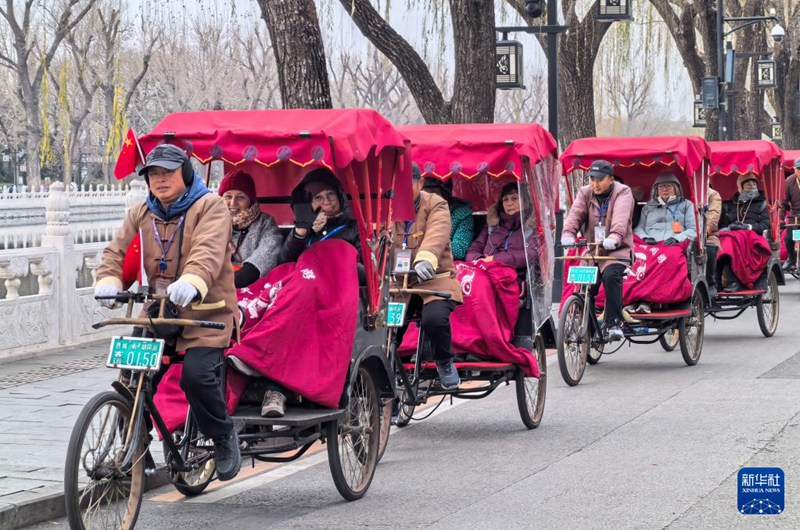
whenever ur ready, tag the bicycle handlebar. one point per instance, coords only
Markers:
(422, 292)
(140, 298)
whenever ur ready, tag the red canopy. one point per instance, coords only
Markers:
(788, 160)
(637, 160)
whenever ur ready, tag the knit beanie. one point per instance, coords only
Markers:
(239, 181)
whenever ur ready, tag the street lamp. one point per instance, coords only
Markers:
(777, 130)
(765, 73)
(508, 64)
(699, 114)
(614, 10)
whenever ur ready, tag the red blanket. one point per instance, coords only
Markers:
(484, 324)
(299, 331)
(748, 253)
(659, 275)
(783, 254)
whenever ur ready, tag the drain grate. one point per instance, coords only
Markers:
(51, 371)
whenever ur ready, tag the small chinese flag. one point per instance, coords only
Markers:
(129, 156)
(131, 264)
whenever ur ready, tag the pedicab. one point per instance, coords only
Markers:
(671, 278)
(105, 467)
(729, 161)
(793, 222)
(509, 345)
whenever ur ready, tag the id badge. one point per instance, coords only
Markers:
(677, 227)
(599, 233)
(402, 260)
(161, 285)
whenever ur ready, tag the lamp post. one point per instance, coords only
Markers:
(726, 96)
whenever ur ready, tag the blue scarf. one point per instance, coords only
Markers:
(193, 193)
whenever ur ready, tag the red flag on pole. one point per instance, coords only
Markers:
(129, 156)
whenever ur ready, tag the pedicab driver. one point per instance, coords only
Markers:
(605, 209)
(423, 245)
(185, 230)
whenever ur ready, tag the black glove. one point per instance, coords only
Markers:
(782, 226)
(649, 241)
(670, 241)
(737, 226)
(303, 215)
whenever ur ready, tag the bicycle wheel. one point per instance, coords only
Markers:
(353, 440)
(691, 331)
(531, 391)
(768, 307)
(98, 490)
(196, 451)
(406, 411)
(571, 343)
(669, 340)
(386, 425)
(595, 352)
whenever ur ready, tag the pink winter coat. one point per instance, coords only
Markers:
(585, 212)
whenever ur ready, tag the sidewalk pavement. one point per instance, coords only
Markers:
(40, 399)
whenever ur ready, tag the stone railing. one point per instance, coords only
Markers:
(46, 290)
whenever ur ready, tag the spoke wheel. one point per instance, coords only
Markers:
(197, 451)
(98, 490)
(769, 307)
(572, 344)
(669, 340)
(353, 440)
(531, 391)
(406, 411)
(386, 425)
(595, 352)
(691, 331)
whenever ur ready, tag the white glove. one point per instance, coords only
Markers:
(424, 270)
(567, 241)
(107, 290)
(749, 227)
(181, 293)
(609, 243)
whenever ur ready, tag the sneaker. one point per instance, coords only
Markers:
(788, 265)
(448, 374)
(712, 292)
(274, 404)
(733, 287)
(227, 455)
(613, 334)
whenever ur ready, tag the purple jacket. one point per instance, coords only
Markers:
(503, 240)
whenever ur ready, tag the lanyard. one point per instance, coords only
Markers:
(162, 262)
(601, 216)
(508, 237)
(329, 234)
(405, 236)
(674, 214)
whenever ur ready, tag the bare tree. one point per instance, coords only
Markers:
(299, 52)
(34, 43)
(787, 57)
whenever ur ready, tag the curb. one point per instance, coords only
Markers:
(52, 506)
(51, 350)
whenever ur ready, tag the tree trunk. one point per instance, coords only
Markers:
(787, 63)
(299, 53)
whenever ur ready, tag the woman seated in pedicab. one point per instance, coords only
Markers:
(667, 217)
(256, 239)
(746, 212)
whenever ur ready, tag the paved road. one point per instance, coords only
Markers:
(642, 442)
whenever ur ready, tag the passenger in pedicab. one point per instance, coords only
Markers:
(790, 207)
(256, 239)
(747, 210)
(502, 238)
(427, 238)
(462, 225)
(713, 216)
(603, 210)
(184, 243)
(667, 218)
(321, 212)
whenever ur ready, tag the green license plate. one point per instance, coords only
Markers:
(582, 275)
(795, 235)
(133, 353)
(395, 314)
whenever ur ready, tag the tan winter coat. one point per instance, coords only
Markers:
(205, 262)
(585, 212)
(429, 240)
(712, 217)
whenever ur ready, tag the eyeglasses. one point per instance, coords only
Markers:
(666, 185)
(324, 196)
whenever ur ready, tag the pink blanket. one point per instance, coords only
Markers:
(484, 324)
(659, 275)
(299, 332)
(748, 252)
